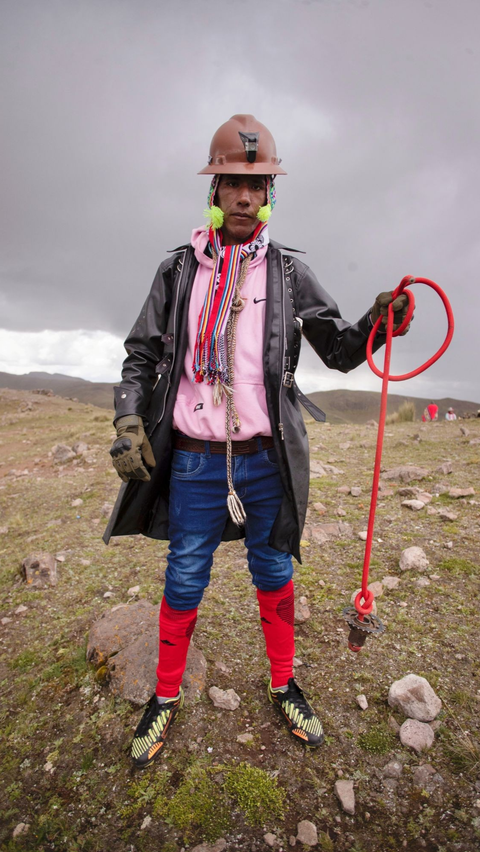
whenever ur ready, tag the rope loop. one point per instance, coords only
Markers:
(367, 606)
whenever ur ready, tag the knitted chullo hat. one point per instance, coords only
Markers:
(214, 214)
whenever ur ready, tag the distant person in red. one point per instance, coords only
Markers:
(430, 413)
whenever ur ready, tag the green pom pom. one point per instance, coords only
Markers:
(215, 216)
(264, 213)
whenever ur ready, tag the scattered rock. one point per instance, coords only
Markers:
(464, 431)
(363, 535)
(371, 423)
(302, 610)
(376, 588)
(222, 667)
(413, 559)
(445, 515)
(62, 454)
(445, 468)
(226, 699)
(416, 735)
(393, 725)
(320, 508)
(391, 583)
(362, 702)
(40, 570)
(346, 796)
(245, 738)
(108, 595)
(297, 662)
(80, 448)
(218, 846)
(474, 442)
(427, 778)
(316, 469)
(341, 512)
(21, 609)
(77, 502)
(134, 590)
(414, 696)
(355, 491)
(414, 505)
(422, 582)
(307, 833)
(106, 510)
(146, 822)
(270, 839)
(405, 473)
(461, 492)
(345, 445)
(3, 530)
(344, 489)
(393, 769)
(5, 620)
(21, 828)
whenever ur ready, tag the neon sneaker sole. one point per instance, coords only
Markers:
(153, 728)
(300, 718)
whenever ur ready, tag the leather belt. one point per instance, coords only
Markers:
(239, 448)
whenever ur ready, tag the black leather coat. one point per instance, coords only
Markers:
(151, 373)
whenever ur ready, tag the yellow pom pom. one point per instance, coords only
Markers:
(264, 213)
(215, 216)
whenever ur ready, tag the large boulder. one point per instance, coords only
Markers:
(416, 699)
(123, 643)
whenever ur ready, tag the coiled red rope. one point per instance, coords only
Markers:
(365, 594)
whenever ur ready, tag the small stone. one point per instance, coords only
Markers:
(320, 508)
(393, 769)
(226, 699)
(245, 738)
(21, 828)
(62, 454)
(77, 502)
(5, 620)
(344, 489)
(270, 839)
(49, 767)
(80, 448)
(449, 545)
(85, 562)
(405, 473)
(465, 432)
(341, 512)
(414, 505)
(134, 590)
(376, 589)
(307, 833)
(393, 725)
(363, 535)
(40, 570)
(106, 510)
(316, 469)
(445, 468)
(403, 604)
(445, 515)
(413, 558)
(345, 446)
(108, 595)
(218, 846)
(297, 662)
(4, 530)
(146, 822)
(414, 697)
(416, 735)
(222, 667)
(427, 778)
(422, 582)
(456, 493)
(346, 796)
(292, 841)
(355, 491)
(391, 583)
(21, 609)
(362, 702)
(302, 611)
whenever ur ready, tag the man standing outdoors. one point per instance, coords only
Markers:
(209, 377)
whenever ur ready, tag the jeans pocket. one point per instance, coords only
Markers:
(186, 465)
(271, 457)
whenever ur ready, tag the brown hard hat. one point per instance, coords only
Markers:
(243, 146)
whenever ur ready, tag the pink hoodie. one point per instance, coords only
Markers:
(194, 413)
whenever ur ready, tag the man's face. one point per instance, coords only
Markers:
(240, 197)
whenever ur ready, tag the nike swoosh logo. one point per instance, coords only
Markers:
(256, 301)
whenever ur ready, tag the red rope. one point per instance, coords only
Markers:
(365, 595)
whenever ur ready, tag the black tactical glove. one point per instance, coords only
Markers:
(400, 307)
(131, 449)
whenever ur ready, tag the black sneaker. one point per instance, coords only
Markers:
(302, 721)
(152, 729)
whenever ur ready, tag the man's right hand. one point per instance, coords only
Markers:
(131, 450)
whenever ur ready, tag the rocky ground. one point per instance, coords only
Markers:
(233, 778)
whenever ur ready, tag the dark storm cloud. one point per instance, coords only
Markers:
(108, 109)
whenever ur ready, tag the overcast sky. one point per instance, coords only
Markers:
(107, 108)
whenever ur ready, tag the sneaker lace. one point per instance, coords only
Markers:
(296, 694)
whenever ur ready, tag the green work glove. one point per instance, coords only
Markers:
(400, 307)
(131, 449)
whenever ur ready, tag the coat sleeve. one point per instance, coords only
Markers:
(144, 346)
(341, 345)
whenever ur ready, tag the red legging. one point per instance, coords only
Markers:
(176, 628)
(277, 610)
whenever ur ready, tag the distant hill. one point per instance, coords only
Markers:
(340, 406)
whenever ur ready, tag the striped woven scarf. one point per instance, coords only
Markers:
(210, 355)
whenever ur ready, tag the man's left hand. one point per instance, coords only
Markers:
(400, 307)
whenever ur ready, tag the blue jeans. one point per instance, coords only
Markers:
(198, 513)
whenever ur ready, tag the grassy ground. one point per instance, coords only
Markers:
(64, 747)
